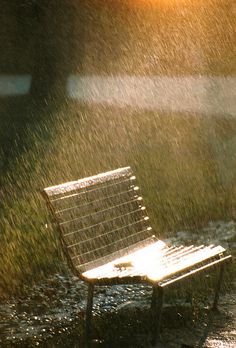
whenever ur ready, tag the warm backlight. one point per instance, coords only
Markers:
(155, 262)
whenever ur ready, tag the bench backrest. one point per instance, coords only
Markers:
(100, 218)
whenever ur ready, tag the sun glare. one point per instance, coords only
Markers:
(156, 261)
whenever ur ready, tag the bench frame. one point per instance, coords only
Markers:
(158, 286)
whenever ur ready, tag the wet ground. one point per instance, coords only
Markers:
(52, 313)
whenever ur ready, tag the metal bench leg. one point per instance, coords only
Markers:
(156, 312)
(218, 286)
(89, 313)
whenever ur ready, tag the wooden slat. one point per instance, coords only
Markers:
(94, 212)
(88, 245)
(122, 219)
(184, 262)
(89, 181)
(107, 213)
(117, 230)
(78, 209)
(91, 193)
(194, 271)
(206, 255)
(114, 255)
(110, 270)
(111, 248)
(98, 193)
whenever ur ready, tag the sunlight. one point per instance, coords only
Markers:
(155, 261)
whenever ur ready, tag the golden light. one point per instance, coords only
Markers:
(156, 261)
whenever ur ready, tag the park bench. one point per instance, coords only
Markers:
(105, 233)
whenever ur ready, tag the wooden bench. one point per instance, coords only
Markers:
(105, 233)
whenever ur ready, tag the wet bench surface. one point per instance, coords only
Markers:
(105, 232)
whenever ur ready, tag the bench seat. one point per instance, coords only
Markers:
(162, 264)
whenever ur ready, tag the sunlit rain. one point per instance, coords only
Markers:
(87, 87)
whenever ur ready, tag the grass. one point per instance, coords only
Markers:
(171, 154)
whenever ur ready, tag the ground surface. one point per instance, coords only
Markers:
(51, 315)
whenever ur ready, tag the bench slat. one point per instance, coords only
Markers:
(105, 201)
(98, 193)
(109, 212)
(94, 212)
(113, 246)
(125, 251)
(88, 182)
(164, 262)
